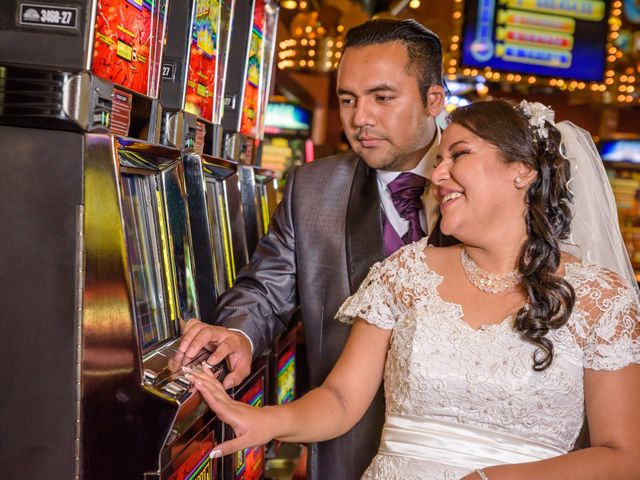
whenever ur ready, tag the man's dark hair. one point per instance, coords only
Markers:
(423, 47)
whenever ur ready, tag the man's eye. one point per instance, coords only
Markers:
(384, 98)
(346, 101)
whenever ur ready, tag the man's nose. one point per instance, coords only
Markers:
(363, 114)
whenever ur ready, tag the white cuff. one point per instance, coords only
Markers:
(240, 331)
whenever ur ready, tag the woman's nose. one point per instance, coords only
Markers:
(440, 174)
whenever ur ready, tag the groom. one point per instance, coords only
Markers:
(338, 216)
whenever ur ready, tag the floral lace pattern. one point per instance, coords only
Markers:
(440, 367)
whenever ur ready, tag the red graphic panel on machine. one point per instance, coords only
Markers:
(202, 59)
(199, 465)
(250, 105)
(249, 463)
(128, 43)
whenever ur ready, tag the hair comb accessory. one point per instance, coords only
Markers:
(537, 114)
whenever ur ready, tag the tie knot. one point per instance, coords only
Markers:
(406, 184)
(407, 187)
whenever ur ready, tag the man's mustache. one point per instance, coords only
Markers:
(369, 133)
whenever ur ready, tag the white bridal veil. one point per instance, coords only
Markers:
(595, 231)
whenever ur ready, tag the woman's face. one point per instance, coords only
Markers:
(476, 189)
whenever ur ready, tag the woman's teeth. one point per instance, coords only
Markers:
(451, 196)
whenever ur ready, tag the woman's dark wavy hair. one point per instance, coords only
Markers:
(548, 216)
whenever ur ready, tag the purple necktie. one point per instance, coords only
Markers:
(406, 190)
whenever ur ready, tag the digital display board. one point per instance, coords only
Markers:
(249, 463)
(287, 116)
(128, 43)
(201, 77)
(620, 150)
(556, 38)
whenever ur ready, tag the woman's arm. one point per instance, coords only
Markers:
(324, 413)
(612, 402)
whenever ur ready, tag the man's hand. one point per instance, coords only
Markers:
(223, 343)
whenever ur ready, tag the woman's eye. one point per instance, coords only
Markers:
(456, 155)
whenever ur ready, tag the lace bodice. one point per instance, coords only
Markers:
(440, 367)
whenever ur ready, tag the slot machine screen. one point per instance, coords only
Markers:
(286, 376)
(551, 38)
(250, 463)
(220, 234)
(203, 58)
(143, 221)
(255, 64)
(128, 43)
(158, 242)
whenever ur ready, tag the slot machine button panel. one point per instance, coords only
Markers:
(174, 389)
(182, 381)
(150, 377)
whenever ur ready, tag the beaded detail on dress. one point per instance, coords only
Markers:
(440, 367)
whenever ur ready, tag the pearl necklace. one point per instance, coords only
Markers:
(484, 281)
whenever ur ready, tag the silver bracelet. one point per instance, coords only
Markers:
(481, 474)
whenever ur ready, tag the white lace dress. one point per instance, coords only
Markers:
(459, 398)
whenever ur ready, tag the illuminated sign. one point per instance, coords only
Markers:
(557, 38)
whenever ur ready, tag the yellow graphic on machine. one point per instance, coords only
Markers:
(539, 32)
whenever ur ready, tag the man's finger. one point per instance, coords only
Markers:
(188, 334)
(221, 352)
(205, 336)
(233, 379)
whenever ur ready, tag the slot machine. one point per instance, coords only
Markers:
(194, 73)
(253, 36)
(98, 264)
(191, 93)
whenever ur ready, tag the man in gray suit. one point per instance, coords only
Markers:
(338, 217)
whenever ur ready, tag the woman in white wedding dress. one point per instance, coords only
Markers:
(492, 351)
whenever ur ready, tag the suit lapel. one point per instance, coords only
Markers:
(364, 240)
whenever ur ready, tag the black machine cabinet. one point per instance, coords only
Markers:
(217, 223)
(98, 268)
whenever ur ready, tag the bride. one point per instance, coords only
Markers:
(491, 351)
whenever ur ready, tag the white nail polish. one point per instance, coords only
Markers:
(215, 453)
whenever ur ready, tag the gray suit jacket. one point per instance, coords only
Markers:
(322, 239)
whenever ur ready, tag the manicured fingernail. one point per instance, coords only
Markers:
(215, 453)
(207, 365)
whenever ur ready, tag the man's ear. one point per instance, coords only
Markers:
(435, 100)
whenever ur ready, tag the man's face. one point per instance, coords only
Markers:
(381, 109)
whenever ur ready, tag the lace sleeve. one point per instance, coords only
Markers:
(374, 301)
(612, 337)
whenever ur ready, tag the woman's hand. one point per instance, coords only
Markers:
(252, 426)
